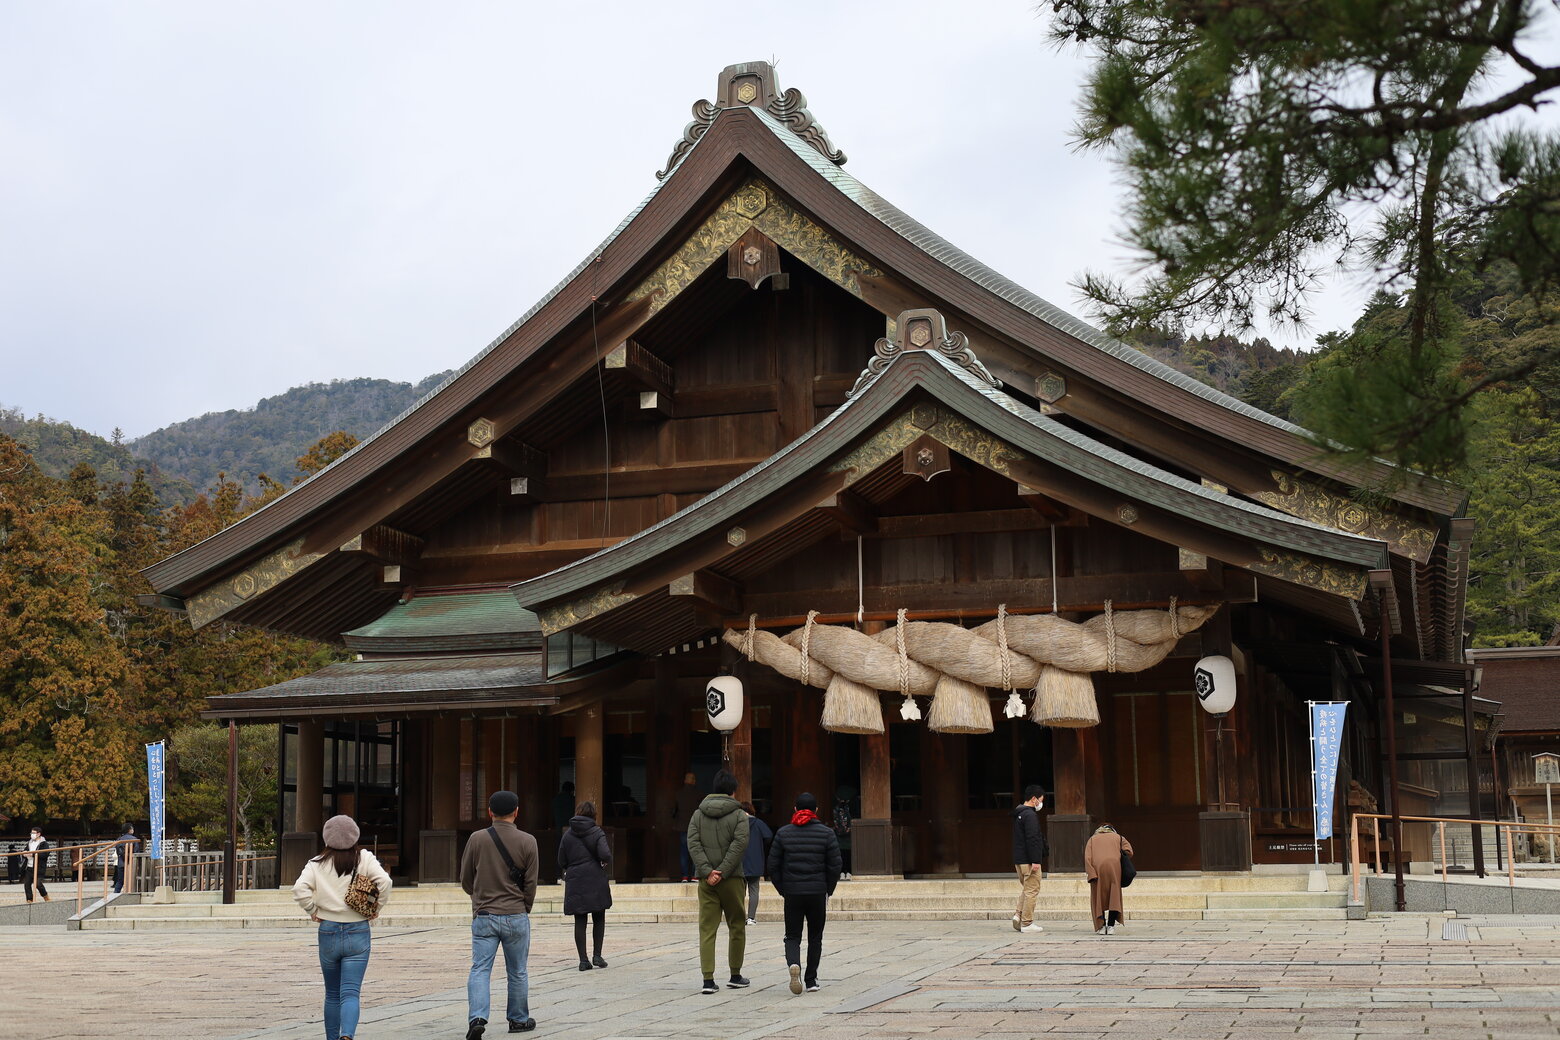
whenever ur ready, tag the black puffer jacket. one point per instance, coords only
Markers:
(1028, 842)
(582, 854)
(804, 860)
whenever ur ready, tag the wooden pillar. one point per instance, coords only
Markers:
(802, 762)
(311, 776)
(669, 761)
(444, 775)
(741, 764)
(437, 845)
(943, 764)
(414, 792)
(589, 740)
(1069, 827)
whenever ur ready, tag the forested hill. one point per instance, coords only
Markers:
(58, 448)
(269, 438)
(1256, 372)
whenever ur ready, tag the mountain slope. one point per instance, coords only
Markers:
(269, 437)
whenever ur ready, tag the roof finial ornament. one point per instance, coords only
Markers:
(923, 329)
(754, 84)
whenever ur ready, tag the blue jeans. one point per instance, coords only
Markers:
(343, 960)
(488, 932)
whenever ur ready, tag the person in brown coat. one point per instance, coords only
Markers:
(1102, 860)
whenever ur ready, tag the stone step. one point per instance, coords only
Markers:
(769, 921)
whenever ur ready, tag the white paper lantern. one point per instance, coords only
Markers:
(1215, 682)
(723, 702)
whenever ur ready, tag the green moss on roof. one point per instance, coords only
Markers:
(468, 621)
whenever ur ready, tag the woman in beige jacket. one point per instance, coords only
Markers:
(1102, 860)
(344, 940)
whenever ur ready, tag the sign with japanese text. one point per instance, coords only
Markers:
(155, 774)
(1326, 744)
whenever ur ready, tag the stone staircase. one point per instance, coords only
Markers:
(1240, 897)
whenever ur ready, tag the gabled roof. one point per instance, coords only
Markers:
(468, 621)
(420, 447)
(994, 429)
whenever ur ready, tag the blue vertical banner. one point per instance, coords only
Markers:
(1326, 743)
(155, 775)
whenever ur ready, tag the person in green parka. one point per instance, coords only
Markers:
(717, 838)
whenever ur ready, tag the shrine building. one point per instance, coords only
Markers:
(951, 539)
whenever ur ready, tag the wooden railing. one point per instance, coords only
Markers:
(80, 857)
(1506, 832)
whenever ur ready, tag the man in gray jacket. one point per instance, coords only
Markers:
(717, 838)
(498, 871)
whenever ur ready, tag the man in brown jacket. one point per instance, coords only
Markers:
(498, 871)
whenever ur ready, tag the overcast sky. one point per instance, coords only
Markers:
(202, 204)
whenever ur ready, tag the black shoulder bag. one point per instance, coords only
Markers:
(516, 875)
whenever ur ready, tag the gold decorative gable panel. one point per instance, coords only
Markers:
(260, 577)
(754, 205)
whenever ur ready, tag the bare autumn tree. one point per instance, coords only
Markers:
(1267, 142)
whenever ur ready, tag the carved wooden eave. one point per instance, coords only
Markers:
(754, 168)
(979, 424)
(753, 84)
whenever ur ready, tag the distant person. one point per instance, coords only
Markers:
(498, 870)
(717, 839)
(563, 805)
(755, 858)
(122, 854)
(583, 855)
(840, 824)
(1028, 852)
(37, 864)
(683, 805)
(1102, 862)
(344, 938)
(804, 865)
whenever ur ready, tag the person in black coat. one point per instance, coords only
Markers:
(804, 866)
(1028, 850)
(583, 855)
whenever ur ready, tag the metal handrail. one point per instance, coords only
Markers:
(1506, 827)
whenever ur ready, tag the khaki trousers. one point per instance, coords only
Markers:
(1029, 878)
(715, 902)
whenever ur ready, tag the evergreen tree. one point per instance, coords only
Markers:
(1266, 142)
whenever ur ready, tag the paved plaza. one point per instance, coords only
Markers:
(1384, 977)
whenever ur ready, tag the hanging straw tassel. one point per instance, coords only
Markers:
(850, 707)
(959, 707)
(1065, 699)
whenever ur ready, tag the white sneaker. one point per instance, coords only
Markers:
(796, 979)
(752, 920)
(1110, 929)
(1032, 927)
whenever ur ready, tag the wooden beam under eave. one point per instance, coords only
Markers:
(386, 544)
(510, 458)
(632, 361)
(1043, 504)
(979, 599)
(1202, 572)
(710, 593)
(853, 513)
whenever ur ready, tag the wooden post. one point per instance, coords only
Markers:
(230, 846)
(589, 736)
(1068, 828)
(742, 749)
(311, 774)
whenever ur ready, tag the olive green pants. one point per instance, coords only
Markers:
(715, 900)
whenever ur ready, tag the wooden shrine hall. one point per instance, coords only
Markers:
(952, 540)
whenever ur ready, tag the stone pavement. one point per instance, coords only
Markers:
(1382, 977)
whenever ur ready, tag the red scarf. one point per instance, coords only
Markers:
(802, 817)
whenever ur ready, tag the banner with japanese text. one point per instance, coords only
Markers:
(155, 774)
(1326, 743)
